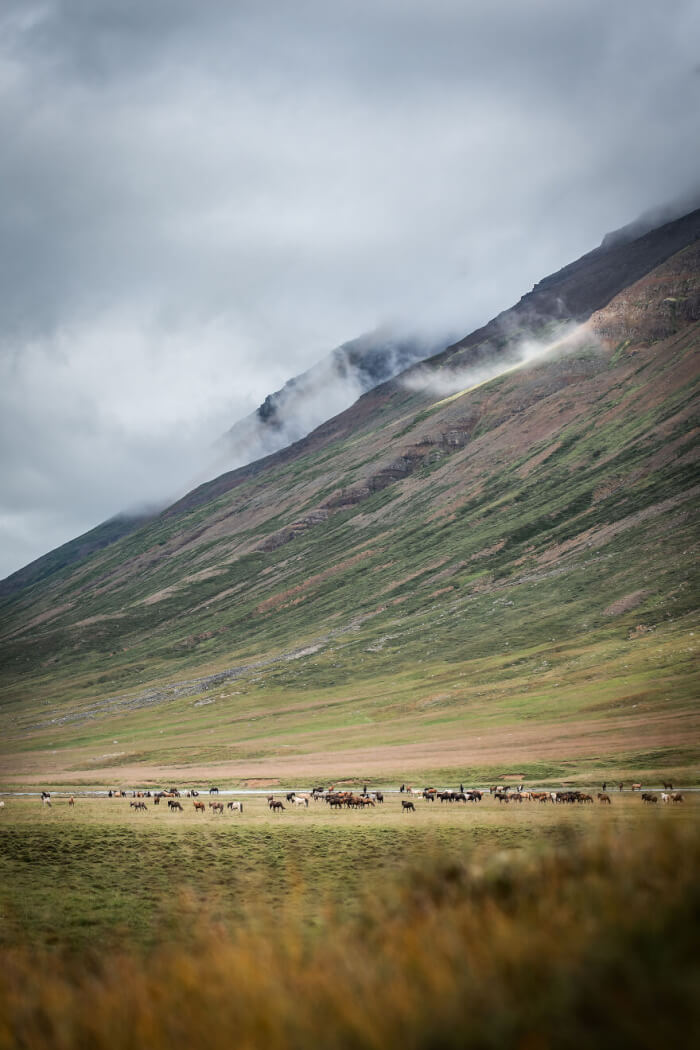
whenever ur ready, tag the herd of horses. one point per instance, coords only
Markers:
(346, 799)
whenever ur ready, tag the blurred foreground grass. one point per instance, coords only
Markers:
(591, 942)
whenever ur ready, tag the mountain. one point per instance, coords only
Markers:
(483, 565)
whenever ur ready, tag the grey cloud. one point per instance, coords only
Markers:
(200, 200)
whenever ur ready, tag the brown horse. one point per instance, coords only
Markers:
(406, 806)
(275, 805)
(200, 807)
(218, 807)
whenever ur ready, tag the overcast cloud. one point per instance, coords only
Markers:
(199, 200)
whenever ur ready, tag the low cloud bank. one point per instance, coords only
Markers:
(322, 392)
(446, 380)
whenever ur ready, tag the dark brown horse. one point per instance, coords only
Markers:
(275, 805)
(406, 806)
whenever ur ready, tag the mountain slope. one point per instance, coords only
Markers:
(429, 581)
(285, 416)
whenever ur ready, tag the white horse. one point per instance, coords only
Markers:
(300, 800)
(235, 805)
(665, 797)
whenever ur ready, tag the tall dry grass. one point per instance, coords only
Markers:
(591, 945)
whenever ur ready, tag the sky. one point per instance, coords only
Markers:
(200, 200)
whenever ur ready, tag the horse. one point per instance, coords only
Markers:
(298, 800)
(275, 805)
(602, 797)
(235, 805)
(213, 791)
(218, 807)
(2, 803)
(668, 786)
(71, 801)
(199, 807)
(665, 797)
(406, 806)
(173, 804)
(139, 805)
(647, 796)
(676, 797)
(636, 787)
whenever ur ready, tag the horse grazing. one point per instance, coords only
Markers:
(71, 801)
(602, 797)
(199, 807)
(235, 805)
(299, 800)
(218, 807)
(213, 791)
(138, 805)
(173, 804)
(636, 787)
(647, 796)
(406, 806)
(668, 786)
(275, 805)
(676, 797)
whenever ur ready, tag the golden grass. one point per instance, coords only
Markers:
(588, 944)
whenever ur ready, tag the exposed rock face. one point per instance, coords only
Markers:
(658, 305)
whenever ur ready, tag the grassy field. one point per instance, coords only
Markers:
(608, 708)
(480, 926)
(100, 873)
